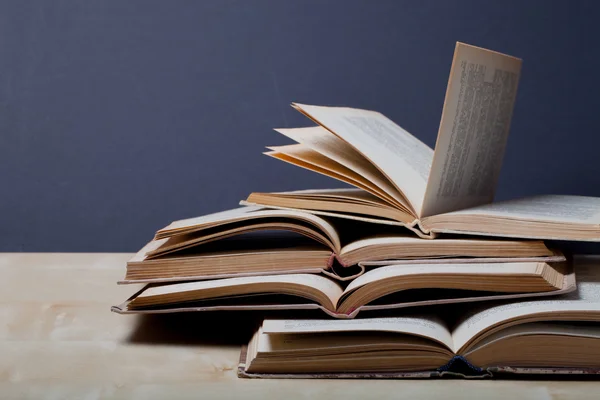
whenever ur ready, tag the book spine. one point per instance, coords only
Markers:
(461, 366)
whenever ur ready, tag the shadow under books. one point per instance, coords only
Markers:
(218, 328)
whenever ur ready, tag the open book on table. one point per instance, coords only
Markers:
(248, 241)
(560, 335)
(381, 288)
(402, 181)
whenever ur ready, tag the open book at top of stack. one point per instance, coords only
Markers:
(402, 181)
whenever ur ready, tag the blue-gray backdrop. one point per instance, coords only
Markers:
(117, 117)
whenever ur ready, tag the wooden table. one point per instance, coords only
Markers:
(59, 340)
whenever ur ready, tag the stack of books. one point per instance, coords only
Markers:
(442, 279)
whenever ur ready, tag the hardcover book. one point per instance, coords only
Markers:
(399, 180)
(252, 241)
(381, 288)
(555, 336)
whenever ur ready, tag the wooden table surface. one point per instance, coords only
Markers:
(59, 340)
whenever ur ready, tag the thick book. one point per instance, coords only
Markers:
(399, 180)
(381, 288)
(561, 335)
(249, 241)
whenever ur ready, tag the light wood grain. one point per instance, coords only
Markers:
(58, 340)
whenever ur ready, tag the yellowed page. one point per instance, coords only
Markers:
(473, 130)
(400, 156)
(248, 213)
(346, 203)
(215, 218)
(351, 195)
(343, 215)
(388, 240)
(277, 343)
(539, 328)
(181, 242)
(323, 141)
(393, 271)
(321, 164)
(546, 208)
(430, 327)
(524, 247)
(312, 166)
(586, 300)
(186, 290)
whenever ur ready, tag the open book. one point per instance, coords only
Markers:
(243, 241)
(401, 181)
(387, 287)
(537, 336)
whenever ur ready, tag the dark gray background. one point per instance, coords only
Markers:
(117, 117)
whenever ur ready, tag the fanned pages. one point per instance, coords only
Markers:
(561, 335)
(401, 181)
(322, 141)
(402, 159)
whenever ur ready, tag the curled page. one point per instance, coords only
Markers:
(473, 131)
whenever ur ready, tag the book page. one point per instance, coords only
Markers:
(540, 328)
(352, 195)
(430, 327)
(461, 260)
(189, 291)
(183, 225)
(178, 243)
(372, 219)
(473, 130)
(392, 271)
(303, 343)
(249, 215)
(304, 157)
(457, 247)
(585, 299)
(550, 208)
(400, 156)
(329, 145)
